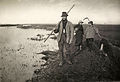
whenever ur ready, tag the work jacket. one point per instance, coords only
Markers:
(69, 31)
(91, 31)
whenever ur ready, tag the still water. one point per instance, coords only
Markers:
(18, 58)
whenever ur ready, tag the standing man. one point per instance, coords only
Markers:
(79, 35)
(65, 32)
(90, 33)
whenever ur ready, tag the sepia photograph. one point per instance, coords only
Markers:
(59, 40)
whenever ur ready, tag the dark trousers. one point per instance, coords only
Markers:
(91, 45)
(75, 46)
(64, 49)
(78, 39)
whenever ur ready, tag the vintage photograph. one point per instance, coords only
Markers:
(59, 40)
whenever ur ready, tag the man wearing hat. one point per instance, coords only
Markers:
(79, 35)
(65, 32)
(90, 33)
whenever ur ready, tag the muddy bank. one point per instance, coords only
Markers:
(87, 66)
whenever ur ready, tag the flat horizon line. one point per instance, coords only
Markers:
(51, 23)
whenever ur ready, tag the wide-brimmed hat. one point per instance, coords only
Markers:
(90, 22)
(64, 14)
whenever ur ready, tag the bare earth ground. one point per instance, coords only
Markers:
(87, 66)
(18, 58)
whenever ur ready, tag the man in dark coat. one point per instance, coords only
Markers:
(79, 35)
(65, 32)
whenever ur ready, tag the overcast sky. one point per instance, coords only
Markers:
(49, 11)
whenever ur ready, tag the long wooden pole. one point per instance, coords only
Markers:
(53, 30)
(70, 8)
(48, 36)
